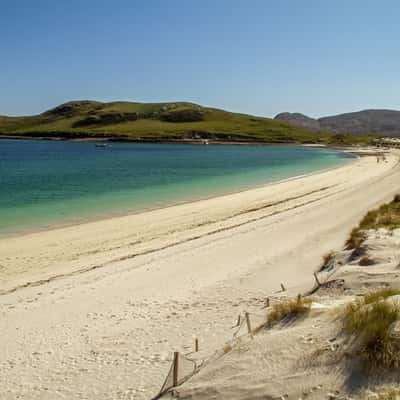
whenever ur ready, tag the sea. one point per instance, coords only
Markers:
(46, 184)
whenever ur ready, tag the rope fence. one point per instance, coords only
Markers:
(184, 366)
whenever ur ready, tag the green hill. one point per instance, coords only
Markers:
(156, 122)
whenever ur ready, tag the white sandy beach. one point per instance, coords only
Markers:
(96, 310)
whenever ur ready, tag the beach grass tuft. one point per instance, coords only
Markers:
(356, 239)
(387, 216)
(368, 322)
(380, 294)
(327, 260)
(328, 257)
(366, 261)
(384, 393)
(289, 309)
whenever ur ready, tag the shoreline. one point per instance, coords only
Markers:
(111, 215)
(212, 210)
(127, 139)
(201, 142)
(104, 305)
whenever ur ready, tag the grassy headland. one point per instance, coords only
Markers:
(161, 122)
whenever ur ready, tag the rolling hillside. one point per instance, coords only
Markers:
(156, 122)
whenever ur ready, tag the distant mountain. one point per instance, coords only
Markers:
(300, 120)
(383, 122)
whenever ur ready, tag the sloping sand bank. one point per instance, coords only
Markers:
(96, 310)
(310, 357)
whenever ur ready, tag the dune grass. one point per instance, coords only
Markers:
(381, 294)
(368, 322)
(327, 259)
(387, 216)
(383, 393)
(366, 261)
(356, 238)
(289, 309)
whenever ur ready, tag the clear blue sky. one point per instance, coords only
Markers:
(256, 56)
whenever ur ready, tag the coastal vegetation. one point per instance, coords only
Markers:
(387, 216)
(365, 261)
(162, 122)
(327, 260)
(369, 321)
(372, 297)
(289, 309)
(384, 393)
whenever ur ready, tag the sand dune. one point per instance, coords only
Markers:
(96, 310)
(310, 357)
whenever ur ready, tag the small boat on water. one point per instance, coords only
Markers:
(101, 144)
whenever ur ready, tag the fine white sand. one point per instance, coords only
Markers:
(310, 357)
(96, 310)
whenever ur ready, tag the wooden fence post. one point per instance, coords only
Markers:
(316, 279)
(248, 322)
(175, 370)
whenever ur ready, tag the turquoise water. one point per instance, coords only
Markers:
(48, 183)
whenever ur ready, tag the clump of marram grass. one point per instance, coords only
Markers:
(383, 393)
(227, 348)
(289, 309)
(356, 239)
(380, 294)
(327, 259)
(386, 216)
(366, 261)
(368, 321)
